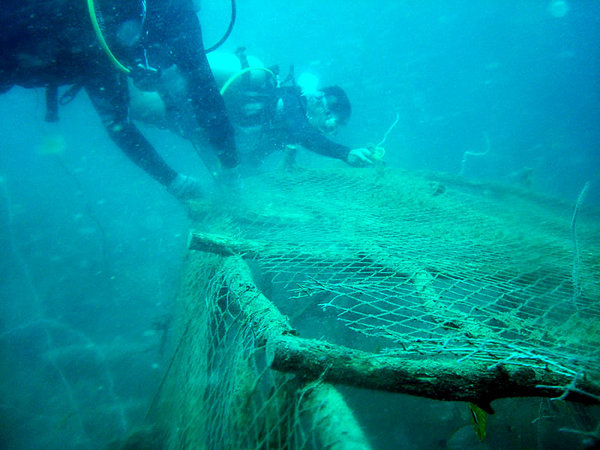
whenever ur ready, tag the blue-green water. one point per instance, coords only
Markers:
(91, 247)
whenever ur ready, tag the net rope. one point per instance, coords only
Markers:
(220, 391)
(431, 264)
(405, 268)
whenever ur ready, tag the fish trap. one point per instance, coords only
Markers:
(424, 284)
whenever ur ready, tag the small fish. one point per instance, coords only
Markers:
(479, 419)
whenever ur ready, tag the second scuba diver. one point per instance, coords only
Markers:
(275, 116)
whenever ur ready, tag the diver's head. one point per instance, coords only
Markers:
(328, 108)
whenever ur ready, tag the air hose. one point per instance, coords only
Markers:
(238, 74)
(117, 63)
(229, 29)
(101, 39)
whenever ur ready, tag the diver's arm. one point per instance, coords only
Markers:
(185, 43)
(110, 98)
(303, 133)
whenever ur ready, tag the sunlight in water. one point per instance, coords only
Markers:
(558, 8)
(53, 144)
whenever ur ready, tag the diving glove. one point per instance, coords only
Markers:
(185, 188)
(360, 157)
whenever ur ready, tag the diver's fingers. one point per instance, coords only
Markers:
(366, 156)
(360, 157)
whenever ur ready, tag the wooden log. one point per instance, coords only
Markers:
(439, 379)
(335, 423)
(222, 245)
(337, 427)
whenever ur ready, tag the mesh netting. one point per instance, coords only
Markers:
(220, 391)
(479, 271)
(414, 266)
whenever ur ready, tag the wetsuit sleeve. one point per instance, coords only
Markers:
(303, 133)
(185, 43)
(110, 98)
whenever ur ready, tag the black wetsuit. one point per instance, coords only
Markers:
(52, 43)
(285, 123)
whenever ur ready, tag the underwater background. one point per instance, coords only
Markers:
(91, 247)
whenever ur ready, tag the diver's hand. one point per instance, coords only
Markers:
(184, 187)
(360, 157)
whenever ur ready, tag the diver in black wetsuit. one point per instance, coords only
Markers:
(51, 43)
(292, 117)
(271, 117)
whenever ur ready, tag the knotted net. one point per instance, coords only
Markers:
(419, 283)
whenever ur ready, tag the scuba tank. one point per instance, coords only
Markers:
(245, 84)
(225, 65)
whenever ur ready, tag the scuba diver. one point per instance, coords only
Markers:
(271, 115)
(96, 45)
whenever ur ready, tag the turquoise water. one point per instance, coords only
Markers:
(91, 248)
